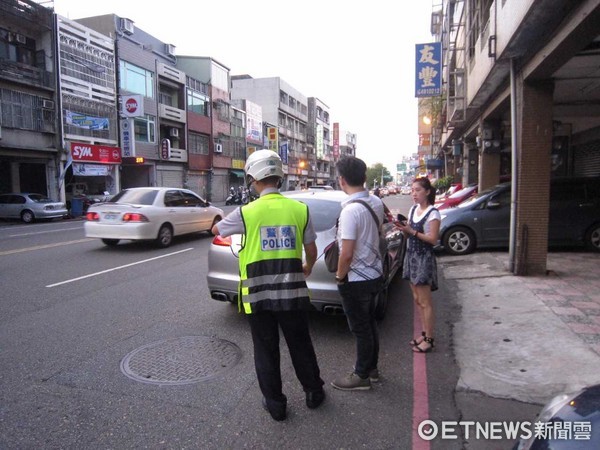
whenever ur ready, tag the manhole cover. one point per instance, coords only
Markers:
(183, 360)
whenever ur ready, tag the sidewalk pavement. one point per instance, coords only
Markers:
(525, 338)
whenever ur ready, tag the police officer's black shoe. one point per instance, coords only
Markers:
(279, 413)
(314, 399)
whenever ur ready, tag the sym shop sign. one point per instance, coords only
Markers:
(82, 152)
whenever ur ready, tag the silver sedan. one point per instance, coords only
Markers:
(324, 207)
(30, 207)
(150, 213)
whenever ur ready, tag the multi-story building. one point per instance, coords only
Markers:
(521, 101)
(154, 139)
(285, 106)
(199, 136)
(319, 143)
(222, 148)
(88, 110)
(30, 147)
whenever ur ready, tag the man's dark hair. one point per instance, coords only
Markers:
(353, 170)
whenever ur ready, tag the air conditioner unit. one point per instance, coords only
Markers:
(20, 39)
(127, 26)
(218, 148)
(47, 104)
(174, 132)
(170, 49)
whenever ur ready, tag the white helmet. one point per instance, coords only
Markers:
(262, 164)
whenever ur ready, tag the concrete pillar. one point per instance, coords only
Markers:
(534, 119)
(489, 170)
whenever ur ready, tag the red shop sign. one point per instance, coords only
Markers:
(95, 153)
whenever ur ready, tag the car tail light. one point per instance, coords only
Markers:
(223, 241)
(134, 217)
(92, 216)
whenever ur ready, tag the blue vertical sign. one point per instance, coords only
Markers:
(428, 77)
(283, 152)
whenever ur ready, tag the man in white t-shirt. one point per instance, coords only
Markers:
(360, 270)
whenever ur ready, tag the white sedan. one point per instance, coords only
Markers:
(150, 213)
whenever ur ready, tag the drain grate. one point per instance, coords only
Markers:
(184, 360)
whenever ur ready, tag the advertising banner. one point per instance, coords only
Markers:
(87, 122)
(428, 78)
(336, 140)
(319, 141)
(273, 138)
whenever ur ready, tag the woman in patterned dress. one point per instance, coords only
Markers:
(420, 268)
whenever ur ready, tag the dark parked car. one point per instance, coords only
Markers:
(572, 422)
(483, 221)
(30, 207)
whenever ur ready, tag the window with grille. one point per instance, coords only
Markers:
(198, 143)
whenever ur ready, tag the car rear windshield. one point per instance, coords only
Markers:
(136, 197)
(323, 213)
(38, 198)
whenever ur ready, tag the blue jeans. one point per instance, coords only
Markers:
(358, 300)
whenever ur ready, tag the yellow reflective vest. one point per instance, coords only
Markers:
(271, 276)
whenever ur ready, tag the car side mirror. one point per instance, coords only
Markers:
(493, 204)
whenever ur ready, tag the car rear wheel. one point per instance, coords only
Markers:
(165, 236)
(110, 242)
(27, 216)
(592, 238)
(215, 221)
(459, 241)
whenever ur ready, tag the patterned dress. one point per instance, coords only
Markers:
(420, 266)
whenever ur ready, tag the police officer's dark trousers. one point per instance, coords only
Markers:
(265, 336)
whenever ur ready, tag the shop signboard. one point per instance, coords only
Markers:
(83, 152)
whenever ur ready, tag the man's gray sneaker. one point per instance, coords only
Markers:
(352, 382)
(374, 376)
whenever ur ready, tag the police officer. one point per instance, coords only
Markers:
(273, 292)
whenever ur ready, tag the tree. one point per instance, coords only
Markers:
(374, 174)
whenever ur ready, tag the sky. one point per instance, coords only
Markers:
(358, 57)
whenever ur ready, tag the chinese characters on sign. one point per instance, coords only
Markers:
(428, 78)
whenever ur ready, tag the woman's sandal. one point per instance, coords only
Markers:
(416, 342)
(427, 340)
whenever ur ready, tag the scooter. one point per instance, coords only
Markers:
(234, 198)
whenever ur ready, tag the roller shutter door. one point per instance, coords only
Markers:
(586, 159)
(169, 178)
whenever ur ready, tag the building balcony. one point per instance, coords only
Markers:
(26, 74)
(171, 113)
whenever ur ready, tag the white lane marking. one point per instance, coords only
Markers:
(39, 247)
(118, 268)
(44, 232)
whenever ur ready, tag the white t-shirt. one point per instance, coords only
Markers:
(435, 215)
(357, 224)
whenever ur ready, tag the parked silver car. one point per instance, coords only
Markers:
(324, 207)
(30, 207)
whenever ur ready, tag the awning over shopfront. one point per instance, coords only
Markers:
(435, 163)
(237, 173)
